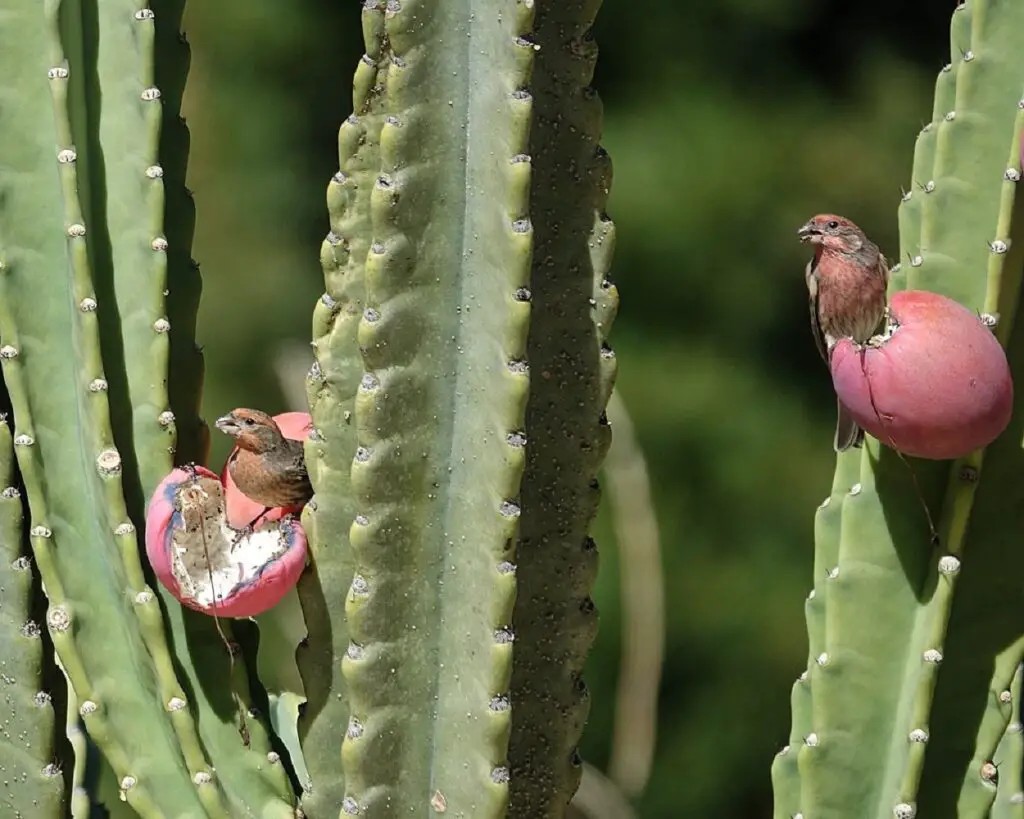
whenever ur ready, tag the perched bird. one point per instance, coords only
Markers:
(267, 467)
(846, 282)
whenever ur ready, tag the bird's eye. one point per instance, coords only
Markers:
(832, 224)
(247, 422)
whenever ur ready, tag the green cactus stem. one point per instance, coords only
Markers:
(332, 384)
(461, 287)
(92, 350)
(573, 304)
(911, 692)
(28, 756)
(53, 370)
(1009, 758)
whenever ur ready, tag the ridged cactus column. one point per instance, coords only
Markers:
(458, 399)
(910, 705)
(97, 307)
(28, 739)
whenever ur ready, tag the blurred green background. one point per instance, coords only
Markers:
(729, 124)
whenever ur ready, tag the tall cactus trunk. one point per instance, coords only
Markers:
(458, 399)
(910, 704)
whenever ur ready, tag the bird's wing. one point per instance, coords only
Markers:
(810, 276)
(883, 269)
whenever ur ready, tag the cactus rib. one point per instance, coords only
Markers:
(282, 629)
(331, 387)
(555, 623)
(442, 336)
(921, 182)
(1009, 757)
(91, 579)
(27, 752)
(827, 530)
(80, 803)
(134, 164)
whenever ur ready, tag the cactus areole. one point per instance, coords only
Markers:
(935, 385)
(207, 564)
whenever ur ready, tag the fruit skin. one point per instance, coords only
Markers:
(938, 388)
(240, 509)
(259, 595)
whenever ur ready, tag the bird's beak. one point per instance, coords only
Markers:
(227, 425)
(809, 233)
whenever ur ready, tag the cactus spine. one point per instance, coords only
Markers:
(908, 704)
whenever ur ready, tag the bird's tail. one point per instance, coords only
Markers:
(848, 433)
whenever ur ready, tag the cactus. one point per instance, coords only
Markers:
(85, 253)
(443, 362)
(910, 704)
(28, 739)
(437, 638)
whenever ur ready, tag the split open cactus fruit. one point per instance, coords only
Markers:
(936, 385)
(207, 564)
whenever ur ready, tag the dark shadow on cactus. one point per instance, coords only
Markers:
(319, 654)
(53, 681)
(51, 677)
(248, 635)
(988, 610)
(555, 621)
(905, 487)
(186, 367)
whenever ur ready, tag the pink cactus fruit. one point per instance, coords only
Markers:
(188, 540)
(241, 510)
(938, 386)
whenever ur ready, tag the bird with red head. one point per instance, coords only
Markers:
(846, 283)
(267, 466)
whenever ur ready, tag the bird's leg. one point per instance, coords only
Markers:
(248, 529)
(240, 535)
(255, 520)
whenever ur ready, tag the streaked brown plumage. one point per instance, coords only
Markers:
(846, 285)
(267, 467)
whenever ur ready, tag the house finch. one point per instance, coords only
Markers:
(267, 467)
(846, 281)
